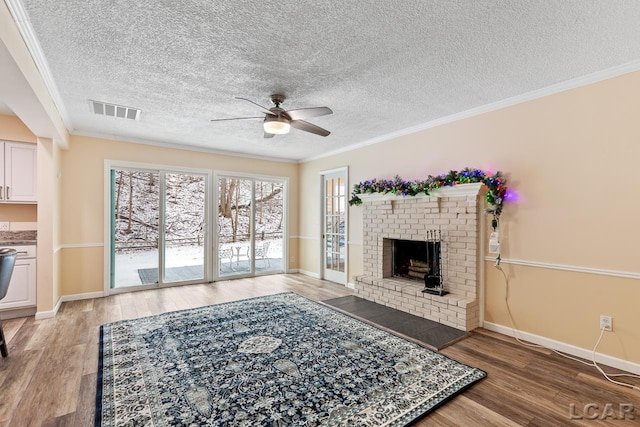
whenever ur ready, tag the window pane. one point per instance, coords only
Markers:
(184, 227)
(269, 232)
(135, 212)
(234, 217)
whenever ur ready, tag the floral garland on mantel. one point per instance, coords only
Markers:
(495, 183)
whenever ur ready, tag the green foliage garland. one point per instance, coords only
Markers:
(495, 183)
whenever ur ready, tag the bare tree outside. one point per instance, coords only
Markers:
(136, 219)
(235, 214)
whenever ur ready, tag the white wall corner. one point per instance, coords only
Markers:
(49, 314)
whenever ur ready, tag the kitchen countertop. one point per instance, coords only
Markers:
(14, 238)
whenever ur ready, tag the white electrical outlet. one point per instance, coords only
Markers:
(4, 225)
(606, 323)
(494, 243)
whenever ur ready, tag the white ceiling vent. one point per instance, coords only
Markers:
(113, 110)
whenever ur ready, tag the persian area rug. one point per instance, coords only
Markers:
(272, 361)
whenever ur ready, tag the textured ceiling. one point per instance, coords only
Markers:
(381, 66)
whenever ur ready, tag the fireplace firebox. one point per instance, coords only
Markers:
(419, 260)
(415, 259)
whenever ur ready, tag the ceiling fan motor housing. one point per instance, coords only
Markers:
(277, 99)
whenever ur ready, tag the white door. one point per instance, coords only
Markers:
(334, 230)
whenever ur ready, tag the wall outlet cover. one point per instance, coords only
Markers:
(606, 322)
(494, 243)
(4, 225)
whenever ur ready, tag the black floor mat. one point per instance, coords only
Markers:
(434, 334)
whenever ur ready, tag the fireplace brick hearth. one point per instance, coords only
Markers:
(456, 212)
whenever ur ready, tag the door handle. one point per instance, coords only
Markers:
(1, 193)
(7, 195)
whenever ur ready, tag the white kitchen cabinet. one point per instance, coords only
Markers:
(22, 288)
(18, 173)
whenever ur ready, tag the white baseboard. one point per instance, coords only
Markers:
(46, 314)
(49, 314)
(76, 297)
(309, 273)
(572, 350)
(14, 313)
(351, 285)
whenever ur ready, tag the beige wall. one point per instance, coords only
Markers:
(12, 129)
(19, 213)
(82, 199)
(572, 158)
(47, 283)
(56, 220)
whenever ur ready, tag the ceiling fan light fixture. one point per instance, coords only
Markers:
(276, 125)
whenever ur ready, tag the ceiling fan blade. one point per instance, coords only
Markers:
(308, 127)
(268, 135)
(237, 118)
(265, 109)
(305, 113)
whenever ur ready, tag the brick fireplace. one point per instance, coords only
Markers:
(453, 213)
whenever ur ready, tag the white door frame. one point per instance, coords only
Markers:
(345, 172)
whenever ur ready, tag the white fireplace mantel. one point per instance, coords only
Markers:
(460, 190)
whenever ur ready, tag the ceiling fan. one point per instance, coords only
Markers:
(278, 121)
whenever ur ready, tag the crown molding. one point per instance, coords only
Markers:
(28, 35)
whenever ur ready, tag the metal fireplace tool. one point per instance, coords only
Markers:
(434, 282)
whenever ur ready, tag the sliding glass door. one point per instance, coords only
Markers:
(158, 231)
(159, 234)
(250, 226)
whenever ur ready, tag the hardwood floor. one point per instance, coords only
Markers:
(49, 378)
